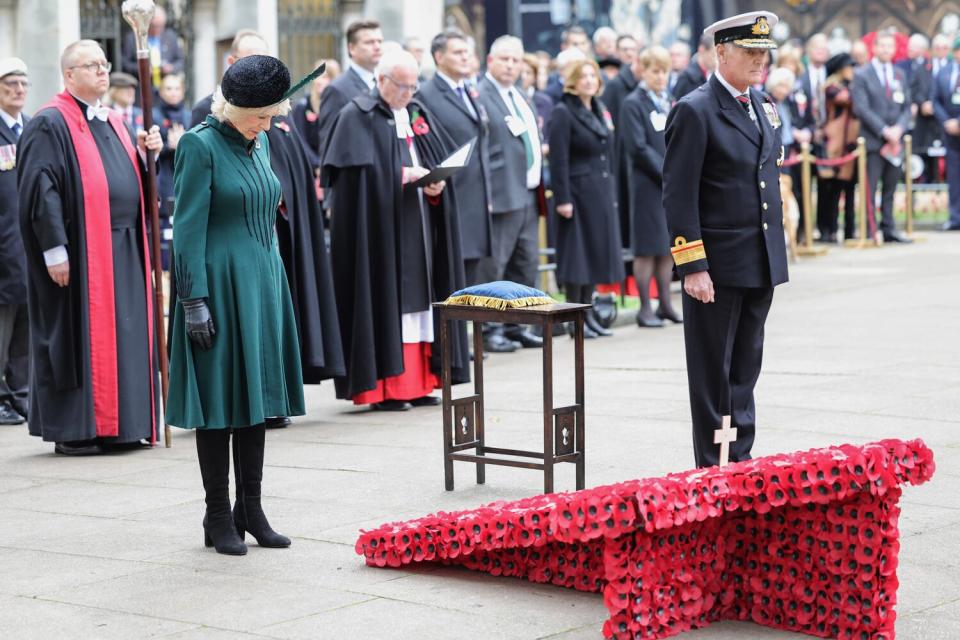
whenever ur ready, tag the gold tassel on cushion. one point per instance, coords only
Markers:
(498, 303)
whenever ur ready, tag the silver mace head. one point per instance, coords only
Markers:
(139, 13)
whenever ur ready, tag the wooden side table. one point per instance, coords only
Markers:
(463, 418)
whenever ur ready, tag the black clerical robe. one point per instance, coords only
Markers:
(303, 248)
(92, 342)
(384, 263)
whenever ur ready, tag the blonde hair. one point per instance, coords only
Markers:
(227, 112)
(655, 56)
(574, 71)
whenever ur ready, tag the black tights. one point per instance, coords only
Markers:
(660, 268)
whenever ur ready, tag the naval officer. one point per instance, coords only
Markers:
(722, 199)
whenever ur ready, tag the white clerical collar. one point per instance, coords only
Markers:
(10, 120)
(402, 119)
(729, 87)
(366, 76)
(450, 81)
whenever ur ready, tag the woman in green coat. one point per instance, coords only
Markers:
(234, 357)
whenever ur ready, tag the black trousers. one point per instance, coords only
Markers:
(724, 344)
(879, 170)
(830, 192)
(14, 351)
(516, 253)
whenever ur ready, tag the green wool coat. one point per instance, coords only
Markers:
(225, 250)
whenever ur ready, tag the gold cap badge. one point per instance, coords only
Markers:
(761, 27)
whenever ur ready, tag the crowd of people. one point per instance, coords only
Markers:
(578, 138)
(638, 156)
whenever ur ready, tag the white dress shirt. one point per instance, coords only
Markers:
(736, 92)
(366, 76)
(10, 120)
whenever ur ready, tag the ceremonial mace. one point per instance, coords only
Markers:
(139, 13)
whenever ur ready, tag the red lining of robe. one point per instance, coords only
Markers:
(100, 285)
(416, 381)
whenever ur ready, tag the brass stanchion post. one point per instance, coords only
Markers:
(864, 188)
(806, 177)
(908, 180)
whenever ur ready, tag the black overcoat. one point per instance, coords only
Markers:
(582, 166)
(308, 126)
(721, 185)
(642, 147)
(472, 183)
(13, 288)
(362, 163)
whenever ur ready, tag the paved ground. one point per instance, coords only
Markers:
(860, 346)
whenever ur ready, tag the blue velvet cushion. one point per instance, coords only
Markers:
(501, 294)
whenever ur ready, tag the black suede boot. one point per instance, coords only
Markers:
(213, 452)
(248, 468)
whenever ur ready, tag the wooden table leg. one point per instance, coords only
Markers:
(547, 407)
(581, 410)
(446, 352)
(478, 389)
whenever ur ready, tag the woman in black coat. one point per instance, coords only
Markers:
(582, 170)
(643, 119)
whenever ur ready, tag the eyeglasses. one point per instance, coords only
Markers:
(95, 66)
(412, 88)
(13, 84)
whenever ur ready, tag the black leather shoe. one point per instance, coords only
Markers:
(671, 315)
(591, 323)
(497, 343)
(426, 401)
(8, 416)
(277, 423)
(894, 236)
(526, 339)
(20, 405)
(392, 405)
(648, 320)
(78, 448)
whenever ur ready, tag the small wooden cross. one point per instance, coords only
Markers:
(723, 437)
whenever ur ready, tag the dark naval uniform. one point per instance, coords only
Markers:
(722, 199)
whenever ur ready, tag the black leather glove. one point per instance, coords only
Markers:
(199, 322)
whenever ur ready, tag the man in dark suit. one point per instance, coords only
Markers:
(679, 59)
(812, 110)
(722, 199)
(364, 46)
(946, 108)
(14, 328)
(166, 55)
(927, 134)
(881, 100)
(458, 110)
(699, 69)
(516, 162)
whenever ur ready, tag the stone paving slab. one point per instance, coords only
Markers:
(861, 345)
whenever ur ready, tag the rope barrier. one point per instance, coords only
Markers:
(796, 158)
